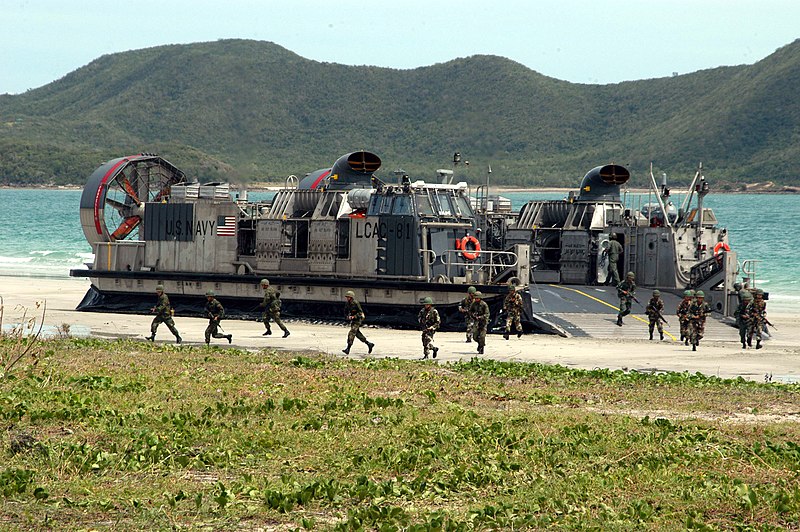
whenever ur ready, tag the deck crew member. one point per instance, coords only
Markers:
(463, 308)
(354, 314)
(614, 251)
(164, 314)
(480, 317)
(626, 291)
(744, 314)
(683, 314)
(758, 318)
(272, 308)
(698, 311)
(654, 311)
(429, 322)
(214, 312)
(512, 305)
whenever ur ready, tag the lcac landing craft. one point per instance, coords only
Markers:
(339, 229)
(343, 228)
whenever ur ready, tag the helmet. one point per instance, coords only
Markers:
(349, 293)
(477, 295)
(747, 295)
(612, 236)
(631, 274)
(688, 293)
(759, 292)
(427, 301)
(737, 286)
(656, 292)
(700, 293)
(159, 288)
(472, 290)
(692, 293)
(264, 282)
(210, 293)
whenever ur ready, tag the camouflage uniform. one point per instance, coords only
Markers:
(215, 312)
(272, 309)
(354, 314)
(512, 305)
(655, 314)
(480, 316)
(463, 307)
(758, 318)
(163, 312)
(614, 251)
(683, 315)
(698, 311)
(743, 318)
(626, 291)
(429, 322)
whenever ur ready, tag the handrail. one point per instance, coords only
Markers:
(481, 263)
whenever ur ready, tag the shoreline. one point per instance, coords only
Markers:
(720, 353)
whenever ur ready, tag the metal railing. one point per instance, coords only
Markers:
(491, 263)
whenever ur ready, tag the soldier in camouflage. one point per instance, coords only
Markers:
(614, 251)
(354, 314)
(655, 314)
(698, 311)
(163, 315)
(214, 312)
(429, 322)
(272, 308)
(683, 315)
(758, 319)
(463, 308)
(512, 305)
(480, 317)
(626, 291)
(744, 315)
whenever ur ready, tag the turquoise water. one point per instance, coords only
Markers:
(41, 236)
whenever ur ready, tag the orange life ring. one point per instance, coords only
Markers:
(469, 253)
(721, 246)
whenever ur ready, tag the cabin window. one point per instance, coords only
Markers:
(424, 206)
(443, 205)
(462, 204)
(402, 205)
(343, 238)
(386, 204)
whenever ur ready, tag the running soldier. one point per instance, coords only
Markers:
(354, 314)
(480, 317)
(626, 291)
(614, 251)
(214, 312)
(744, 315)
(654, 311)
(683, 314)
(512, 305)
(758, 318)
(697, 316)
(272, 309)
(163, 315)
(463, 308)
(429, 322)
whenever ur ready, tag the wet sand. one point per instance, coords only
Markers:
(720, 356)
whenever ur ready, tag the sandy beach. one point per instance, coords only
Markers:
(720, 354)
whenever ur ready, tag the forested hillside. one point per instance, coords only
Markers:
(242, 110)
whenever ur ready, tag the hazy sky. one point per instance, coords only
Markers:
(591, 41)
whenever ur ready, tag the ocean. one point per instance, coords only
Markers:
(41, 235)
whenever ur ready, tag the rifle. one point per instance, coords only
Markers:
(770, 323)
(662, 318)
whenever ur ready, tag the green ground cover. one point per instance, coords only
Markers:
(126, 435)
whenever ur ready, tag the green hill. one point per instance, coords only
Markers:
(242, 110)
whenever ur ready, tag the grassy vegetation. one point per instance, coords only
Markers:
(127, 435)
(241, 110)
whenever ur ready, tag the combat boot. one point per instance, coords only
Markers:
(469, 340)
(152, 337)
(744, 345)
(519, 334)
(505, 335)
(424, 357)
(178, 340)
(480, 349)
(686, 341)
(370, 345)
(619, 321)
(661, 335)
(267, 332)
(651, 335)
(229, 337)
(694, 347)
(285, 333)
(758, 344)
(435, 351)
(346, 350)
(750, 342)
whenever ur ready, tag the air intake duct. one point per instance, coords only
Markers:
(602, 183)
